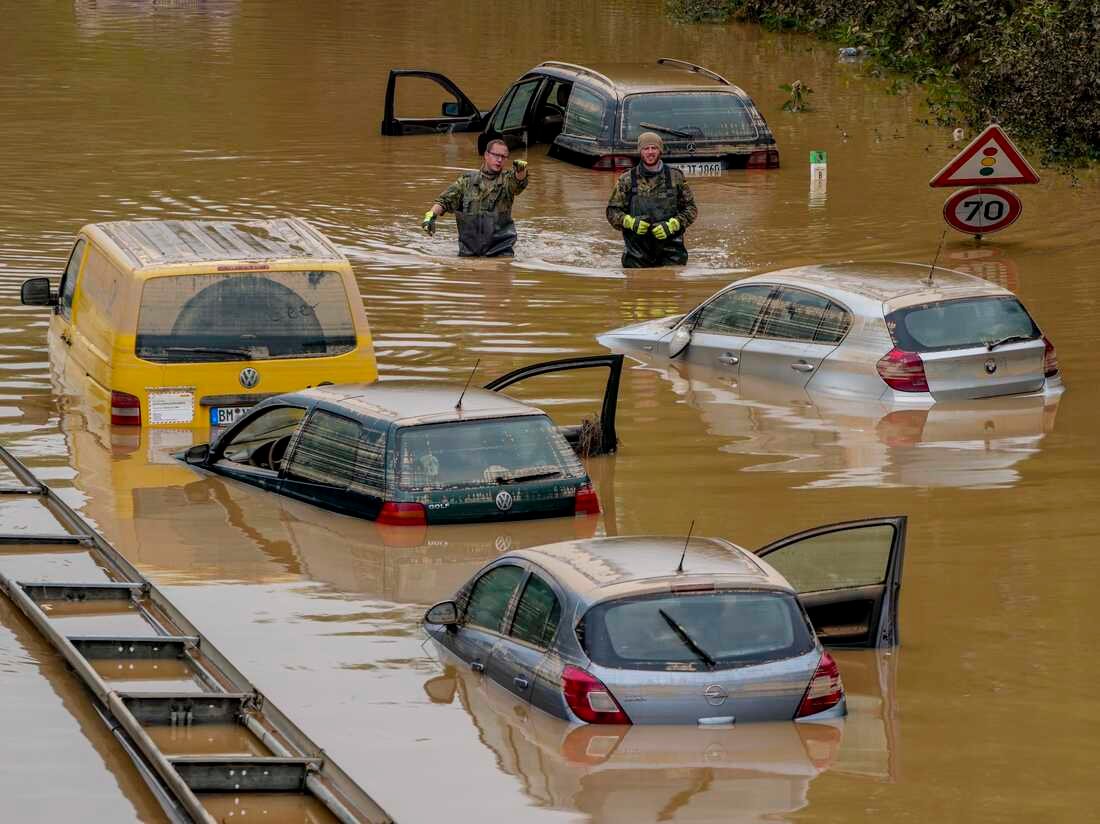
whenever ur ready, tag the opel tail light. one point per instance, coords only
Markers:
(125, 409)
(903, 371)
(1050, 360)
(825, 689)
(402, 514)
(586, 502)
(589, 699)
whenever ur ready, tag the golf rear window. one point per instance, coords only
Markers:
(960, 324)
(731, 627)
(689, 116)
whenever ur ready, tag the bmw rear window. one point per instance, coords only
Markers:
(961, 324)
(695, 115)
(681, 631)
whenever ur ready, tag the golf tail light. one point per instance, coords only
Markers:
(1050, 360)
(589, 699)
(586, 502)
(825, 689)
(125, 409)
(903, 371)
(402, 514)
(610, 162)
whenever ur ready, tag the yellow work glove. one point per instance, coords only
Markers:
(428, 223)
(519, 166)
(635, 224)
(667, 229)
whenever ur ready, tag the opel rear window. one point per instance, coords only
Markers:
(960, 324)
(483, 452)
(696, 631)
(253, 316)
(694, 115)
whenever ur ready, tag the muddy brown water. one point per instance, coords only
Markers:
(986, 712)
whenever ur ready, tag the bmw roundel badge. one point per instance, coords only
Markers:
(249, 377)
(504, 500)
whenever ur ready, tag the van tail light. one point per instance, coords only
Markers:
(589, 699)
(125, 409)
(586, 502)
(903, 371)
(607, 163)
(825, 689)
(402, 514)
(1050, 359)
(764, 159)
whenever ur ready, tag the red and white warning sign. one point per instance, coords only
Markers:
(991, 159)
(982, 210)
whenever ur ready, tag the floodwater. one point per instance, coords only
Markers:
(215, 109)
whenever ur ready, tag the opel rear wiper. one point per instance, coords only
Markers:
(993, 344)
(690, 644)
(665, 129)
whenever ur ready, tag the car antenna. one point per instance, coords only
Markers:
(687, 541)
(937, 257)
(467, 386)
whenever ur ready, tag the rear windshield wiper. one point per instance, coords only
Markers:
(519, 476)
(666, 130)
(993, 344)
(688, 642)
(243, 354)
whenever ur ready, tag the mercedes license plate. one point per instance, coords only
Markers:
(225, 415)
(708, 168)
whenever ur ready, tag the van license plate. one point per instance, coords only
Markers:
(225, 415)
(712, 168)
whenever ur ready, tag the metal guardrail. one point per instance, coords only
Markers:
(296, 764)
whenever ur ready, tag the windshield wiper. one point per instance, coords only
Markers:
(993, 344)
(666, 130)
(519, 476)
(688, 642)
(243, 354)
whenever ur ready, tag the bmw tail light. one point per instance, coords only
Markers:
(1050, 360)
(402, 514)
(589, 699)
(125, 409)
(903, 371)
(608, 163)
(586, 502)
(825, 689)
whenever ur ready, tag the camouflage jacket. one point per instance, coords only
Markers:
(478, 192)
(650, 187)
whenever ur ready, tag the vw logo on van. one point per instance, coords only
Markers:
(504, 500)
(249, 377)
(990, 366)
(715, 694)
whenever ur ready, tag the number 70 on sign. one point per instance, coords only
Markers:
(981, 210)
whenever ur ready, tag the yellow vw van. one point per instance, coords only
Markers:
(187, 323)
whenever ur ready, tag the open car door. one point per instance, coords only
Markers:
(848, 577)
(587, 438)
(456, 112)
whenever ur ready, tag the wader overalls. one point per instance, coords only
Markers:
(483, 229)
(660, 203)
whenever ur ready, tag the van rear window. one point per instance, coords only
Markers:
(688, 116)
(230, 316)
(960, 324)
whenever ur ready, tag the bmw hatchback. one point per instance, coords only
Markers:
(660, 630)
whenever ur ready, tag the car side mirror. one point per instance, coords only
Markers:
(680, 339)
(197, 455)
(451, 108)
(445, 613)
(37, 292)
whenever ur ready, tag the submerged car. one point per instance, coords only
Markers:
(419, 452)
(593, 116)
(897, 332)
(660, 630)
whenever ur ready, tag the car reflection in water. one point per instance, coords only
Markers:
(750, 772)
(973, 444)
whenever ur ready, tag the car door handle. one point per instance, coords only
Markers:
(477, 666)
(521, 682)
(802, 366)
(727, 358)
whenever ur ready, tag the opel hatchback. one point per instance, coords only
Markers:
(666, 631)
(896, 332)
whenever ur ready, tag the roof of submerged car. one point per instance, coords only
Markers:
(600, 568)
(412, 402)
(628, 78)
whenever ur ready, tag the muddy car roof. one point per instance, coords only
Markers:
(147, 244)
(601, 568)
(406, 403)
(626, 78)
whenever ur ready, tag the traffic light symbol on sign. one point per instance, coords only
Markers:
(991, 158)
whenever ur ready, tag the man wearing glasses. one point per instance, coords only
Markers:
(482, 203)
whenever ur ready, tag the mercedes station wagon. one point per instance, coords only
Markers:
(659, 630)
(419, 452)
(593, 116)
(897, 332)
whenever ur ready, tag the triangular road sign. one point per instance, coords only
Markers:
(990, 159)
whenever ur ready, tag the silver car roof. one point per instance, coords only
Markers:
(597, 569)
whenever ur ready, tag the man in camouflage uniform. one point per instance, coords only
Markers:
(653, 206)
(482, 203)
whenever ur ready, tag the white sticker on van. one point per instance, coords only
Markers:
(171, 407)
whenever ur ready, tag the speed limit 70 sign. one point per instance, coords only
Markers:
(981, 210)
